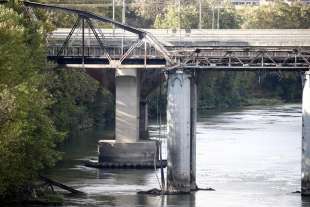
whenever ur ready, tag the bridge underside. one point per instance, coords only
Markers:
(215, 59)
(103, 63)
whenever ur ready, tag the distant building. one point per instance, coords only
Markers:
(245, 2)
(260, 2)
(303, 1)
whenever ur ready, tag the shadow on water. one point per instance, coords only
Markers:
(140, 200)
(305, 201)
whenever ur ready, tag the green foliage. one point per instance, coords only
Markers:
(27, 134)
(229, 17)
(278, 15)
(174, 18)
(79, 100)
(223, 89)
(234, 89)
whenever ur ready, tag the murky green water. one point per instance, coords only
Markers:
(252, 157)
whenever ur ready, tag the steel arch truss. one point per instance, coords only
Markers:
(169, 57)
(82, 56)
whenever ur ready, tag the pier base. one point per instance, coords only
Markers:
(138, 154)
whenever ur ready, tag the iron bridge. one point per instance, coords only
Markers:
(86, 45)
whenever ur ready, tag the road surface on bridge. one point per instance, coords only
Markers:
(220, 49)
(208, 38)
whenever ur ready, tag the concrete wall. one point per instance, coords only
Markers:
(127, 106)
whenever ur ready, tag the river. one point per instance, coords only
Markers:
(251, 157)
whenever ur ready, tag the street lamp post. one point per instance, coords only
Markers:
(123, 21)
(124, 12)
(218, 17)
(113, 15)
(213, 17)
(200, 18)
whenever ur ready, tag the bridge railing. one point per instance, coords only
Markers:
(96, 51)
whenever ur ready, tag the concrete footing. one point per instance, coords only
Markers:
(141, 153)
(181, 118)
(305, 168)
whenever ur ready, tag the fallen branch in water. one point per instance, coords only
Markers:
(62, 186)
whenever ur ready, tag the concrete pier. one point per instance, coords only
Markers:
(305, 168)
(181, 118)
(193, 132)
(128, 149)
(127, 103)
(144, 134)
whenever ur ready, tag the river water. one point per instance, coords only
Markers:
(251, 157)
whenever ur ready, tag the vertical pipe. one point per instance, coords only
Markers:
(193, 96)
(218, 17)
(200, 15)
(162, 175)
(145, 53)
(143, 119)
(213, 17)
(83, 42)
(179, 130)
(179, 13)
(305, 167)
(124, 12)
(124, 22)
(113, 15)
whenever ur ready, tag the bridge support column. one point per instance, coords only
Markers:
(127, 150)
(127, 103)
(193, 133)
(181, 118)
(144, 134)
(305, 168)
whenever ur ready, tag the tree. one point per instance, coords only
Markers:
(28, 136)
(277, 15)
(184, 17)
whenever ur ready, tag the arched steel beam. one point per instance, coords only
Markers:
(89, 15)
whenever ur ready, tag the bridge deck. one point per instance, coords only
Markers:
(207, 38)
(213, 49)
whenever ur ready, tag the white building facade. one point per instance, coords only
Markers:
(259, 2)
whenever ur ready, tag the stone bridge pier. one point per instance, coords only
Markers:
(130, 148)
(305, 167)
(181, 124)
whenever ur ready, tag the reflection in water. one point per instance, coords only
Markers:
(251, 157)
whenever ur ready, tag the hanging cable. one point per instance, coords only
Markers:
(155, 168)
(160, 140)
(155, 156)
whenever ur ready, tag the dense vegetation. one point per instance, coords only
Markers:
(39, 104)
(28, 135)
